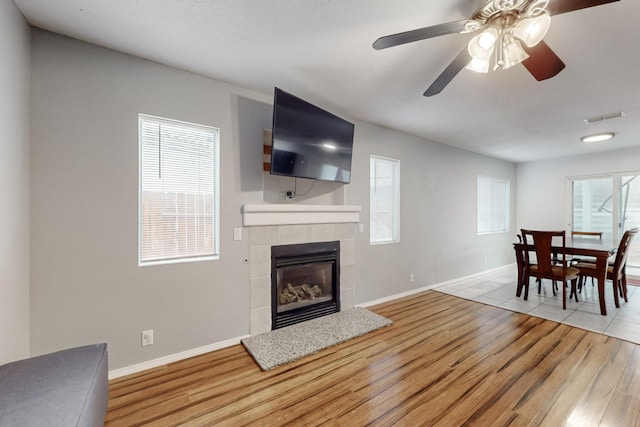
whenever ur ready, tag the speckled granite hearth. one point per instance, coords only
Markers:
(285, 345)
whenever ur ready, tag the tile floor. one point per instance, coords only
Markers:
(499, 289)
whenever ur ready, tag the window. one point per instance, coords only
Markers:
(384, 200)
(178, 192)
(493, 205)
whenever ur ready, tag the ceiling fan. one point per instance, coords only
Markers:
(508, 31)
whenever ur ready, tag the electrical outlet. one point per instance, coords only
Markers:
(411, 278)
(147, 337)
(287, 195)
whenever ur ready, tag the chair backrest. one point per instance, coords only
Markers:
(591, 234)
(541, 242)
(623, 252)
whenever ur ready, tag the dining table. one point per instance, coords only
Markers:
(600, 250)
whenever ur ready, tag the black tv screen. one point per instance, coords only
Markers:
(309, 142)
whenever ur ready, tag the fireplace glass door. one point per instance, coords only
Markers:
(305, 284)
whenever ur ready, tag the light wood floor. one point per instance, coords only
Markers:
(445, 361)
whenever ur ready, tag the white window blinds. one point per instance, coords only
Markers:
(178, 191)
(384, 200)
(493, 205)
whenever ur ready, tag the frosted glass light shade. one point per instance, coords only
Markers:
(480, 48)
(513, 54)
(482, 44)
(532, 30)
(479, 64)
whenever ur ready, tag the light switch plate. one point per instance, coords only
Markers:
(237, 234)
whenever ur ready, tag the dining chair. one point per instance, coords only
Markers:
(521, 260)
(541, 243)
(589, 234)
(616, 272)
(584, 235)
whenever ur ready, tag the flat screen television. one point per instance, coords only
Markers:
(309, 142)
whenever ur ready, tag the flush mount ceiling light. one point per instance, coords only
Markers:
(507, 33)
(599, 137)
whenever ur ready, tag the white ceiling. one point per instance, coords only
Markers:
(320, 50)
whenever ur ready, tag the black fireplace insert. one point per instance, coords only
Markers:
(305, 282)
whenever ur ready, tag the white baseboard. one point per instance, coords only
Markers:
(435, 285)
(128, 370)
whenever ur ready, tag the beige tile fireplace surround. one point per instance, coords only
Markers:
(271, 225)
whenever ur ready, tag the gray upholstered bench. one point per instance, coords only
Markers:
(66, 388)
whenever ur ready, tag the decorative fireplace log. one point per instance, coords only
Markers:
(293, 291)
(307, 290)
(292, 294)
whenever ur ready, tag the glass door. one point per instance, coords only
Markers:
(592, 206)
(629, 216)
(595, 206)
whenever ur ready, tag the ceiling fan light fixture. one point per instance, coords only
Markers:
(533, 29)
(514, 22)
(599, 137)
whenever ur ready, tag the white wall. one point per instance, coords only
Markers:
(542, 192)
(14, 184)
(86, 285)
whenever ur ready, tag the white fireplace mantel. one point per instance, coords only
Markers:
(274, 214)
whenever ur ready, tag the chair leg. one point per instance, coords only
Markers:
(623, 283)
(616, 284)
(574, 289)
(564, 294)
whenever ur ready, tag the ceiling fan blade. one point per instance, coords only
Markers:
(542, 62)
(557, 7)
(419, 34)
(449, 73)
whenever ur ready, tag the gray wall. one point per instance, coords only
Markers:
(14, 184)
(86, 285)
(438, 215)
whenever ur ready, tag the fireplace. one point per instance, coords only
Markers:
(305, 282)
